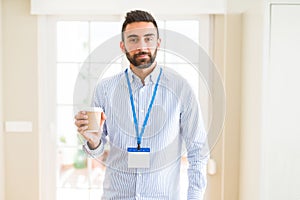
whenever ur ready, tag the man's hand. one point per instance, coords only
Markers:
(81, 121)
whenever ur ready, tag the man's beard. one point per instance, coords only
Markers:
(142, 63)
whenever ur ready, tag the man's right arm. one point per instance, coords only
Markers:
(94, 142)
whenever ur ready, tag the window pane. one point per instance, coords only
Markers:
(95, 194)
(102, 32)
(66, 130)
(161, 24)
(66, 78)
(83, 89)
(160, 56)
(72, 41)
(189, 28)
(186, 28)
(111, 70)
(72, 194)
(174, 58)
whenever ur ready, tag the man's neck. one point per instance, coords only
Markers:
(142, 73)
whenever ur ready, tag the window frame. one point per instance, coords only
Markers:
(47, 86)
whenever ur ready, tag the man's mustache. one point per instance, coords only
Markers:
(142, 53)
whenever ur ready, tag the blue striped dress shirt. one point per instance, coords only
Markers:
(175, 119)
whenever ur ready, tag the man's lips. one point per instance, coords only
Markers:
(142, 56)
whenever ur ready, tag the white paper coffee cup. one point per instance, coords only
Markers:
(94, 117)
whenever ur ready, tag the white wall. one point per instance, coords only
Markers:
(179, 7)
(20, 99)
(270, 158)
(2, 179)
(95, 7)
(281, 149)
(251, 76)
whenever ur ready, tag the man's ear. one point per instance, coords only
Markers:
(122, 46)
(158, 42)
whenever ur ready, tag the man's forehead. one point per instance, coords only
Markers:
(141, 31)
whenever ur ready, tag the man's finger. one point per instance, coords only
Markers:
(82, 129)
(80, 123)
(81, 115)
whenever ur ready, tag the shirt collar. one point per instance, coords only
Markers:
(152, 77)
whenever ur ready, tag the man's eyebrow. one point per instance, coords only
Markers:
(132, 35)
(149, 34)
(146, 35)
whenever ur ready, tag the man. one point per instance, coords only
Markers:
(149, 112)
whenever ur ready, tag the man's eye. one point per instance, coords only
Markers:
(148, 39)
(133, 40)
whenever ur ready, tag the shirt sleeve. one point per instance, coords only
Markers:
(95, 152)
(195, 137)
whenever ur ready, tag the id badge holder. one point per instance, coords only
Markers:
(138, 158)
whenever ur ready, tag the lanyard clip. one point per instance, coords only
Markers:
(139, 147)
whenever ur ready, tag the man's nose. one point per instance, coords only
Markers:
(141, 44)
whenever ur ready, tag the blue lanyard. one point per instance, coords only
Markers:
(139, 136)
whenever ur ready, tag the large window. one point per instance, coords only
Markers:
(77, 176)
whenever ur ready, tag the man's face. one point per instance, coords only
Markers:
(140, 44)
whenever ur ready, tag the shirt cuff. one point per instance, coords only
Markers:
(95, 152)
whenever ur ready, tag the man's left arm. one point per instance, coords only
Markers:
(195, 137)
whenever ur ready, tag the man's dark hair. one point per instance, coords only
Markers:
(138, 16)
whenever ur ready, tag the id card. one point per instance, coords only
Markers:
(138, 158)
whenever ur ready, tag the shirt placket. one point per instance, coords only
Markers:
(142, 102)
